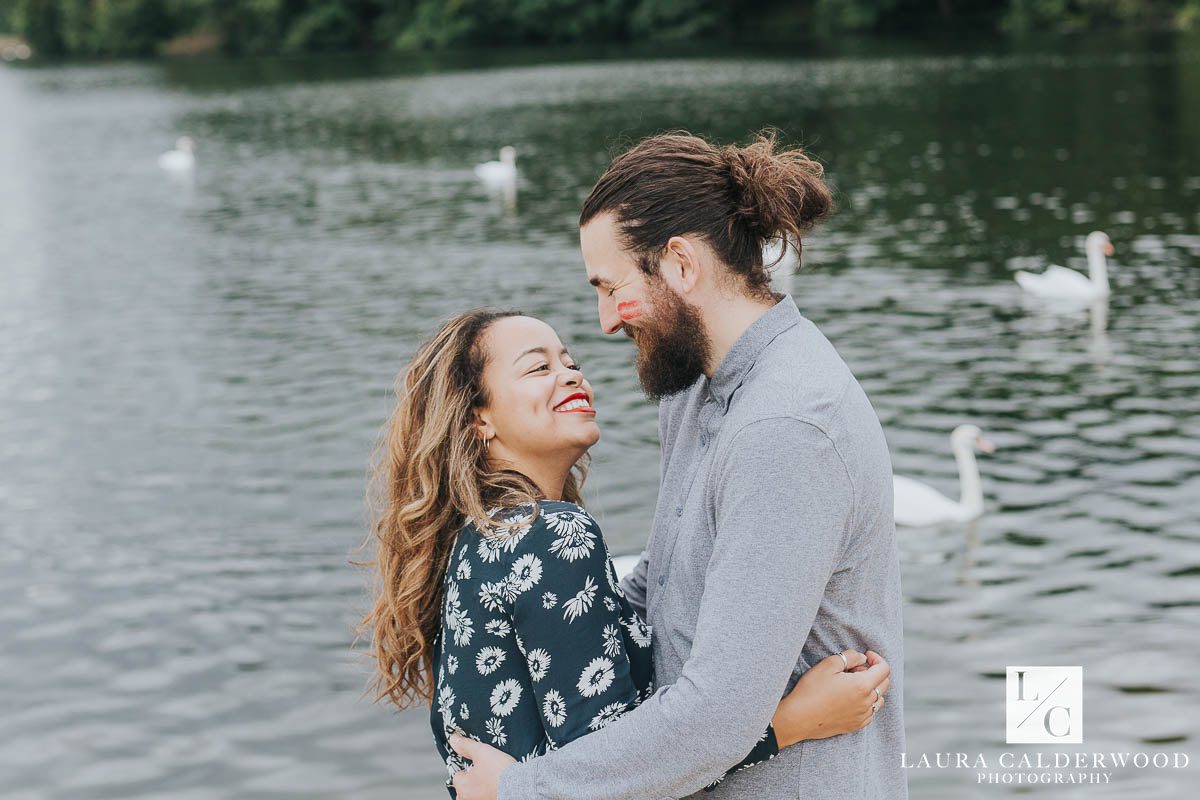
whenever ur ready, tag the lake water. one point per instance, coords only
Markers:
(192, 373)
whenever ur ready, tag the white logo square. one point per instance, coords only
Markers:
(1044, 705)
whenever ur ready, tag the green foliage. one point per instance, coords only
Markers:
(40, 22)
(141, 27)
(849, 15)
(677, 19)
(1068, 15)
(1188, 17)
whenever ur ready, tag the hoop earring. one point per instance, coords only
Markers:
(487, 445)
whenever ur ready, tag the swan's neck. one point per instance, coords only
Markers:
(971, 498)
(1098, 267)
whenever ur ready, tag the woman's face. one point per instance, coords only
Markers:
(539, 406)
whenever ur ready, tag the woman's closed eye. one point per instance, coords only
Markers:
(544, 366)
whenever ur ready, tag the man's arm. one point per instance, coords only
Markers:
(783, 512)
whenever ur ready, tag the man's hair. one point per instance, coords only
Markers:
(736, 198)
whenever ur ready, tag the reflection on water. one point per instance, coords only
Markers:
(192, 372)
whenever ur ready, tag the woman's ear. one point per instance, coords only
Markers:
(483, 425)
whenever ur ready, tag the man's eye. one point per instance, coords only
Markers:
(575, 367)
(540, 366)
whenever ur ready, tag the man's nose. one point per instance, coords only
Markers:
(610, 320)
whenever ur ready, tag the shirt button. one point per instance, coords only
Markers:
(703, 442)
(679, 511)
(662, 579)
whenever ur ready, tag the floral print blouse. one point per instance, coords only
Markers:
(538, 643)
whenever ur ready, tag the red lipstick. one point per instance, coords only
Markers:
(629, 310)
(576, 396)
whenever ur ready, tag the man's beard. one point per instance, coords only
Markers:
(673, 345)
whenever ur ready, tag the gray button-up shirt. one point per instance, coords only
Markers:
(773, 547)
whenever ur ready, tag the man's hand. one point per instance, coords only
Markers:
(481, 780)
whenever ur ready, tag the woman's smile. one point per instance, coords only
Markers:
(575, 402)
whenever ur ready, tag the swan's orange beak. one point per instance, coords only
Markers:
(1108, 248)
(984, 445)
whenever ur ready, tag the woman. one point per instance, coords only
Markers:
(498, 604)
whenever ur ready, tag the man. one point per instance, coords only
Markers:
(773, 543)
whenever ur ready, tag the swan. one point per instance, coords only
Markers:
(499, 175)
(181, 158)
(918, 505)
(781, 263)
(1060, 283)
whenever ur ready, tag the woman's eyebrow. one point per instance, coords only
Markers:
(541, 350)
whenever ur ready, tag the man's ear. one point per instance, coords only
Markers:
(681, 265)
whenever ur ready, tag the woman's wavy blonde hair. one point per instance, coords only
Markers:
(429, 475)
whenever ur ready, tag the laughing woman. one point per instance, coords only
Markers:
(496, 601)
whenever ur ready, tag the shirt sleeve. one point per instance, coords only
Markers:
(766, 749)
(781, 528)
(567, 618)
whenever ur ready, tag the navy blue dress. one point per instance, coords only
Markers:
(538, 643)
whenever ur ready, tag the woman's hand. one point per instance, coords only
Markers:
(481, 780)
(833, 698)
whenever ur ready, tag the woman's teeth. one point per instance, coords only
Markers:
(574, 404)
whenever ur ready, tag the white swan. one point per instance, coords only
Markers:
(181, 159)
(918, 505)
(781, 265)
(1062, 284)
(502, 174)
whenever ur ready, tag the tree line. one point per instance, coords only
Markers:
(256, 27)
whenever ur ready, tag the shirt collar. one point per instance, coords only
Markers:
(746, 348)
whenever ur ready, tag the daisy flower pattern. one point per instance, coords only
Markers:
(575, 539)
(612, 641)
(560, 652)
(498, 627)
(456, 618)
(505, 696)
(554, 708)
(494, 595)
(581, 602)
(489, 660)
(526, 573)
(607, 715)
(539, 663)
(596, 677)
(639, 631)
(495, 729)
